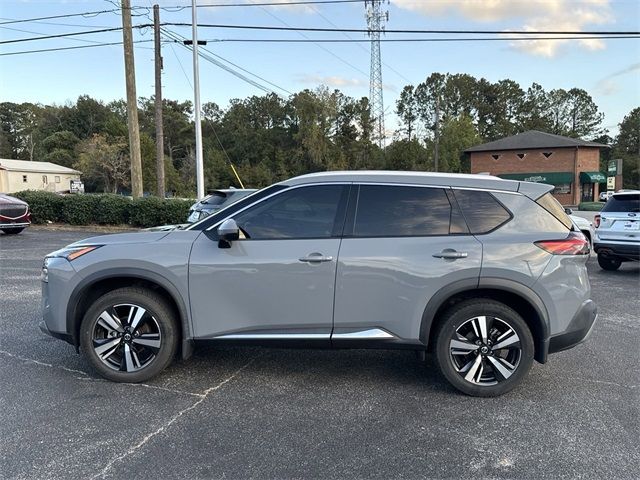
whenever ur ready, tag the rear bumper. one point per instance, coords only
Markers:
(630, 250)
(578, 330)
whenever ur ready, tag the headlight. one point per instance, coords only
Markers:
(73, 252)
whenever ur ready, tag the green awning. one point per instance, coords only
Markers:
(592, 177)
(552, 178)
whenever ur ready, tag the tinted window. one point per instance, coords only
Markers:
(551, 205)
(388, 211)
(307, 212)
(228, 211)
(481, 210)
(623, 203)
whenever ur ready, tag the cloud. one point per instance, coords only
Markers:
(608, 86)
(334, 81)
(531, 15)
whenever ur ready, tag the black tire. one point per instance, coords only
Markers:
(608, 263)
(12, 231)
(150, 346)
(500, 321)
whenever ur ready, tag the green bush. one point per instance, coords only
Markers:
(44, 206)
(591, 206)
(112, 209)
(104, 209)
(79, 209)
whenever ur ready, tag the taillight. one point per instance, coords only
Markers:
(596, 221)
(574, 244)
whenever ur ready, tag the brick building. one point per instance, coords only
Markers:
(570, 164)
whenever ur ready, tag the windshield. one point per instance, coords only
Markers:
(623, 203)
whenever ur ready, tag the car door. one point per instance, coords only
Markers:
(401, 245)
(277, 281)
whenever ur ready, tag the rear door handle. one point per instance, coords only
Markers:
(447, 253)
(316, 258)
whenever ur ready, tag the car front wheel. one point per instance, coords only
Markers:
(483, 347)
(129, 335)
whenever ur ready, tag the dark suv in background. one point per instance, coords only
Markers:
(488, 274)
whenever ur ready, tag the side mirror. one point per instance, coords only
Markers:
(568, 211)
(228, 231)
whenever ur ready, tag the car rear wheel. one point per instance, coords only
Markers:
(483, 347)
(129, 335)
(608, 263)
(12, 231)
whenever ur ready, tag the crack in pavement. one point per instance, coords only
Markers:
(102, 473)
(87, 378)
(44, 364)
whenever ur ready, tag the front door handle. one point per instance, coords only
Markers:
(450, 254)
(316, 258)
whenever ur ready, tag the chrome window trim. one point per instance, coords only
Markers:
(343, 182)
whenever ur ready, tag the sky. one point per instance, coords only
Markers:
(609, 70)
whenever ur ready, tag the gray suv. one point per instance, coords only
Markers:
(488, 274)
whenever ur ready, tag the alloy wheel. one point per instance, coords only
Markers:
(485, 350)
(126, 337)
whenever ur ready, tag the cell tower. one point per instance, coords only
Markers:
(376, 19)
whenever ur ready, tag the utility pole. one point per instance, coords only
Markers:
(132, 101)
(375, 24)
(436, 152)
(158, 103)
(196, 95)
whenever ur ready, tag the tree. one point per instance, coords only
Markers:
(627, 147)
(104, 164)
(458, 134)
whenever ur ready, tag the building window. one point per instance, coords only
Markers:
(44, 179)
(547, 154)
(521, 155)
(495, 156)
(24, 179)
(57, 179)
(563, 188)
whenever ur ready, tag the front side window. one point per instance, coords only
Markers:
(306, 212)
(397, 211)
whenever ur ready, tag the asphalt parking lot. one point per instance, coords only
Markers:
(270, 413)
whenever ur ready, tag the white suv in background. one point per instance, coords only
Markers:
(617, 230)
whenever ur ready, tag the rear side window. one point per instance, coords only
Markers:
(390, 211)
(551, 205)
(623, 203)
(481, 210)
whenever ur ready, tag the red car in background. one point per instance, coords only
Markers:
(14, 214)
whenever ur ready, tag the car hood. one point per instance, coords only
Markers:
(7, 199)
(121, 238)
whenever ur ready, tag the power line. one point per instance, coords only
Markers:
(450, 32)
(62, 35)
(426, 40)
(57, 49)
(178, 8)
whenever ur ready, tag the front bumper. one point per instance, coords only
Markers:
(578, 330)
(62, 336)
(629, 251)
(7, 224)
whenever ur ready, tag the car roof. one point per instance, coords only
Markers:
(464, 180)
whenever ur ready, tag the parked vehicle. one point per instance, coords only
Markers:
(604, 196)
(584, 225)
(14, 214)
(216, 200)
(488, 274)
(617, 230)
